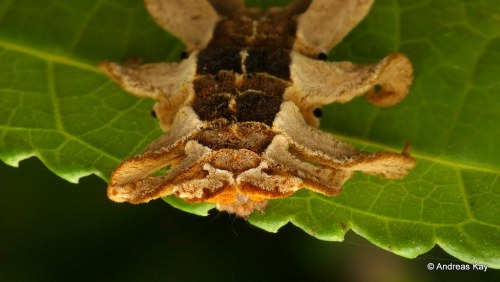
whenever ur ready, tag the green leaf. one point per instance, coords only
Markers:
(55, 104)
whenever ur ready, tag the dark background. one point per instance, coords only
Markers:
(52, 230)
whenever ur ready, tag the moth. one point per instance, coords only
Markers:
(240, 110)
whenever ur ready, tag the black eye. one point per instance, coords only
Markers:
(153, 114)
(318, 112)
(184, 55)
(323, 56)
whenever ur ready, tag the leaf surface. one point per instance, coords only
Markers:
(55, 104)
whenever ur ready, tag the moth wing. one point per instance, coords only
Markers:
(192, 21)
(326, 22)
(132, 181)
(322, 179)
(152, 80)
(318, 83)
(168, 83)
(321, 147)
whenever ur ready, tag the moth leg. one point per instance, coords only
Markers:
(169, 83)
(321, 147)
(326, 22)
(317, 83)
(192, 21)
(228, 7)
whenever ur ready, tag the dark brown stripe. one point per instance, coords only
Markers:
(223, 82)
(256, 97)
(212, 107)
(219, 58)
(275, 62)
(257, 106)
(251, 93)
(265, 83)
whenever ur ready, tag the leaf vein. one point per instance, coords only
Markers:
(67, 135)
(383, 217)
(48, 56)
(53, 96)
(449, 163)
(79, 34)
(465, 93)
(464, 194)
